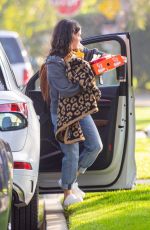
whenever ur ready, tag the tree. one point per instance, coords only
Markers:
(138, 15)
(30, 18)
(34, 20)
(26, 17)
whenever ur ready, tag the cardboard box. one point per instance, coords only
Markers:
(107, 63)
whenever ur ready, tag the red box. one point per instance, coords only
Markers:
(107, 63)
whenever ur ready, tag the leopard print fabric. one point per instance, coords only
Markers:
(72, 109)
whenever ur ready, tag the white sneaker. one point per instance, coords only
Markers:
(75, 189)
(72, 199)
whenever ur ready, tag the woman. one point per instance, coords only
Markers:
(66, 38)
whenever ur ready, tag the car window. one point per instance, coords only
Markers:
(109, 47)
(109, 78)
(12, 49)
(7, 75)
(2, 82)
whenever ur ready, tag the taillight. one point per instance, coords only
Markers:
(15, 107)
(22, 165)
(26, 76)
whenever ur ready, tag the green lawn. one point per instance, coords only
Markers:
(142, 117)
(142, 156)
(142, 147)
(124, 209)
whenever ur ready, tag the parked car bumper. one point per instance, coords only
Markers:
(24, 187)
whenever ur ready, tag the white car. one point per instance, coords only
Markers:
(19, 126)
(115, 166)
(17, 56)
(6, 177)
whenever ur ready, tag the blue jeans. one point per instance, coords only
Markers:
(72, 162)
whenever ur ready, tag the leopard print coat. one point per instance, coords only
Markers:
(72, 109)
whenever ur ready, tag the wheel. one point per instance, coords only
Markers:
(25, 218)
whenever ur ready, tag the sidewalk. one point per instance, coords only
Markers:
(54, 212)
(143, 181)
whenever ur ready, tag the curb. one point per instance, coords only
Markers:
(54, 212)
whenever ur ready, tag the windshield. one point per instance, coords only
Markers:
(12, 49)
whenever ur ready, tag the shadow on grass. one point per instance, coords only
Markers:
(95, 201)
(138, 220)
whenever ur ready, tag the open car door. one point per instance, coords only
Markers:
(115, 166)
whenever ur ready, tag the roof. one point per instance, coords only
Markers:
(4, 33)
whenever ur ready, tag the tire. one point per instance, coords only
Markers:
(25, 218)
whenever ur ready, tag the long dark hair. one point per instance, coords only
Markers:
(60, 46)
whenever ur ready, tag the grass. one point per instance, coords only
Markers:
(142, 156)
(142, 148)
(112, 210)
(123, 209)
(41, 208)
(143, 145)
(142, 117)
(143, 166)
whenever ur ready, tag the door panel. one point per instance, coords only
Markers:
(50, 154)
(115, 166)
(105, 119)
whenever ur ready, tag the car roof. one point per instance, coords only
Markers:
(4, 33)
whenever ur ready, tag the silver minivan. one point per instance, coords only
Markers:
(115, 167)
